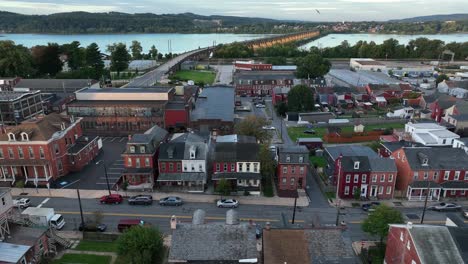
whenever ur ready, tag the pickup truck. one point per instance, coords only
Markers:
(21, 203)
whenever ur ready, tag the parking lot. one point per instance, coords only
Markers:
(93, 176)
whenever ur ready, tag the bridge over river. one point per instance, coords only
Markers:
(151, 77)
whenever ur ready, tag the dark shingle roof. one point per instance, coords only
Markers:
(328, 246)
(155, 133)
(220, 242)
(438, 158)
(455, 185)
(460, 236)
(214, 103)
(294, 153)
(237, 176)
(354, 150)
(348, 163)
(230, 151)
(382, 164)
(423, 184)
(180, 147)
(54, 84)
(185, 176)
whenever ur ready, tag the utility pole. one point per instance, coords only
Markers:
(294, 211)
(81, 209)
(425, 202)
(105, 172)
(337, 188)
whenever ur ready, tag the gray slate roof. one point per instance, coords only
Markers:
(155, 133)
(182, 176)
(180, 147)
(435, 244)
(460, 236)
(214, 103)
(328, 246)
(229, 151)
(348, 163)
(455, 185)
(294, 153)
(11, 253)
(350, 151)
(382, 164)
(438, 158)
(423, 184)
(237, 176)
(221, 242)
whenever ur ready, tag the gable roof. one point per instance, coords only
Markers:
(437, 158)
(354, 150)
(179, 148)
(382, 164)
(294, 153)
(40, 128)
(155, 133)
(232, 151)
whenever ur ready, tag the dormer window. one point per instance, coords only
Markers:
(356, 165)
(11, 137)
(425, 162)
(132, 149)
(142, 149)
(192, 152)
(301, 159)
(288, 158)
(62, 126)
(24, 136)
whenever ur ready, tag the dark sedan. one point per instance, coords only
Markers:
(370, 207)
(171, 200)
(141, 199)
(92, 227)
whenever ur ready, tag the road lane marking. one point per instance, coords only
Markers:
(43, 202)
(169, 216)
(71, 183)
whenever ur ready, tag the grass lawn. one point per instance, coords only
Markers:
(298, 132)
(318, 161)
(206, 77)
(88, 245)
(330, 195)
(82, 259)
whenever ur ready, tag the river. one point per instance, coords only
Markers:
(333, 40)
(177, 43)
(170, 42)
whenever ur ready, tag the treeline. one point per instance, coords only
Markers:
(114, 22)
(83, 62)
(421, 48)
(274, 53)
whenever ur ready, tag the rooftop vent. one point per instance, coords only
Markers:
(198, 217)
(232, 217)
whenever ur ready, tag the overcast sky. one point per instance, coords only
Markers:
(330, 10)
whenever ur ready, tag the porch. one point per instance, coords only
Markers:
(36, 172)
(241, 181)
(418, 190)
(137, 179)
(184, 182)
(455, 189)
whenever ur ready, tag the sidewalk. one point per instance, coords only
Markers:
(188, 197)
(393, 203)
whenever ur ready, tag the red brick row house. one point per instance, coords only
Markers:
(236, 160)
(254, 83)
(140, 158)
(443, 170)
(182, 163)
(43, 149)
(292, 169)
(371, 177)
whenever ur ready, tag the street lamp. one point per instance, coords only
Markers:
(105, 172)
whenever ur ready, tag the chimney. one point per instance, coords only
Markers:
(268, 226)
(198, 217)
(232, 218)
(409, 225)
(173, 222)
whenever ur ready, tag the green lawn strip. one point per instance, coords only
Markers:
(82, 259)
(318, 161)
(207, 77)
(98, 246)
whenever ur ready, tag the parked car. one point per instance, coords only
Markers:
(465, 214)
(370, 207)
(243, 95)
(445, 207)
(125, 224)
(268, 127)
(141, 199)
(309, 131)
(21, 203)
(260, 105)
(111, 199)
(92, 227)
(227, 203)
(171, 200)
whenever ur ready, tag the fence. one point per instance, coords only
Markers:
(352, 137)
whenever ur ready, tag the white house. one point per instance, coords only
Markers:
(430, 134)
(365, 64)
(461, 143)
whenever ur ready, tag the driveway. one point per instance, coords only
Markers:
(224, 75)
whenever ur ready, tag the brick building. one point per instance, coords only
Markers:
(421, 244)
(444, 170)
(121, 112)
(18, 106)
(254, 83)
(177, 111)
(251, 66)
(182, 163)
(140, 159)
(292, 169)
(372, 177)
(42, 149)
(236, 160)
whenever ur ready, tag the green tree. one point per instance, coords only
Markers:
(120, 58)
(15, 60)
(276, 60)
(300, 99)
(141, 245)
(153, 52)
(312, 66)
(20, 184)
(441, 78)
(223, 187)
(281, 108)
(377, 222)
(136, 50)
(94, 59)
(76, 54)
(253, 126)
(47, 60)
(267, 165)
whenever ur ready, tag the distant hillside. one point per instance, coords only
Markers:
(451, 17)
(114, 22)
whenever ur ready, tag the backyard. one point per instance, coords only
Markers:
(82, 259)
(205, 77)
(298, 132)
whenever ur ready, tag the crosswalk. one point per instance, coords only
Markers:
(114, 139)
